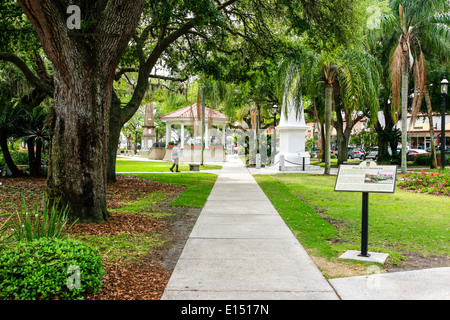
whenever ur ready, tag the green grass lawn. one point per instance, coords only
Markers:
(329, 223)
(128, 247)
(154, 166)
(198, 185)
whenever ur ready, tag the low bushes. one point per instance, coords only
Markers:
(426, 182)
(425, 159)
(49, 268)
(38, 261)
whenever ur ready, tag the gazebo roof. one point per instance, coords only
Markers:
(191, 112)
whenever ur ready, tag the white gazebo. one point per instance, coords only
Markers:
(191, 149)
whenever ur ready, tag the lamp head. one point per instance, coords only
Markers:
(444, 86)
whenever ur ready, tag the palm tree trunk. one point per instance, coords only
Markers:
(31, 156)
(405, 70)
(328, 102)
(433, 164)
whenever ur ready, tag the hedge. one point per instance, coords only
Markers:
(425, 159)
(49, 268)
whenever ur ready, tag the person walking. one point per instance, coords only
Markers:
(175, 157)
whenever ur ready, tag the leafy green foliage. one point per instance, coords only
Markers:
(15, 29)
(51, 222)
(425, 159)
(19, 157)
(427, 182)
(40, 269)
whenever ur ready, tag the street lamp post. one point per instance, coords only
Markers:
(316, 138)
(156, 135)
(274, 139)
(444, 92)
(136, 137)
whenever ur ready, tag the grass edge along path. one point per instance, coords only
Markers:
(298, 216)
(199, 186)
(155, 166)
(316, 229)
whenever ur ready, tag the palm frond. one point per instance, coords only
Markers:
(436, 38)
(420, 79)
(395, 70)
(297, 77)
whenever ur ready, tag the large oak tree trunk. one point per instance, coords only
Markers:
(115, 126)
(84, 66)
(78, 148)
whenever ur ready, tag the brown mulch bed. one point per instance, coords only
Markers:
(120, 223)
(142, 280)
(127, 188)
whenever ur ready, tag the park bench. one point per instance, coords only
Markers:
(194, 167)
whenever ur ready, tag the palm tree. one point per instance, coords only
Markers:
(351, 81)
(357, 90)
(329, 75)
(418, 25)
(21, 115)
(36, 135)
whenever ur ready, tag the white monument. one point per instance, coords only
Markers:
(292, 130)
(148, 130)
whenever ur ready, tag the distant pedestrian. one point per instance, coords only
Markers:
(175, 157)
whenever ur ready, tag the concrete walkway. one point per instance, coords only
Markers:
(241, 249)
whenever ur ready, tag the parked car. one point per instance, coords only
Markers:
(372, 155)
(412, 153)
(447, 149)
(357, 153)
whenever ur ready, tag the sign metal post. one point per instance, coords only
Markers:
(366, 177)
(365, 225)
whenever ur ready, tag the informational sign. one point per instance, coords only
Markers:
(366, 177)
(304, 154)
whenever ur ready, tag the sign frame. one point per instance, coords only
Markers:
(369, 173)
(369, 168)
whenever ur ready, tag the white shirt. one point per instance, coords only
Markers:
(175, 152)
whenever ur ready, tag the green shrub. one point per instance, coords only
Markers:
(386, 158)
(396, 158)
(49, 268)
(20, 158)
(425, 159)
(2, 159)
(422, 160)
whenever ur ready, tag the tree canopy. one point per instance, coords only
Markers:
(244, 54)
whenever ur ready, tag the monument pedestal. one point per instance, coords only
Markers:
(292, 130)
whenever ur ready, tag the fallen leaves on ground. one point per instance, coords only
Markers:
(142, 280)
(120, 223)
